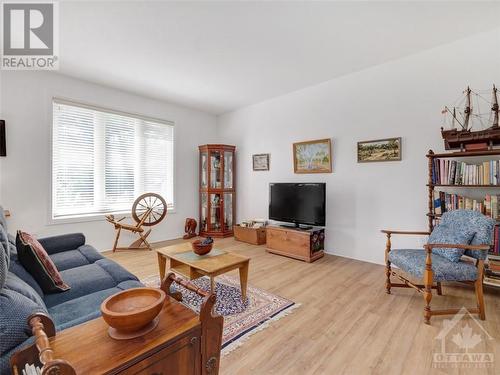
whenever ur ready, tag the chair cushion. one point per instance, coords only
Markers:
(75, 258)
(412, 261)
(35, 259)
(472, 220)
(448, 235)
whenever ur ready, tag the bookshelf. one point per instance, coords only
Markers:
(433, 218)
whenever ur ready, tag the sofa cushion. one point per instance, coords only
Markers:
(75, 258)
(64, 242)
(445, 234)
(4, 265)
(413, 262)
(117, 272)
(17, 268)
(3, 219)
(14, 312)
(83, 280)
(87, 307)
(20, 286)
(35, 259)
(4, 241)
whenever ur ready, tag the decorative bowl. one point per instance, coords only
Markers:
(133, 312)
(200, 248)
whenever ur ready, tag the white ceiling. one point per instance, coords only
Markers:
(219, 56)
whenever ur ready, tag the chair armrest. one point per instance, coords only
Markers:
(65, 242)
(457, 246)
(417, 233)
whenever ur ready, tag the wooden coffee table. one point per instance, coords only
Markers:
(185, 262)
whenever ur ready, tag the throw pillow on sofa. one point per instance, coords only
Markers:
(35, 259)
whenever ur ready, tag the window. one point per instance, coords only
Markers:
(102, 160)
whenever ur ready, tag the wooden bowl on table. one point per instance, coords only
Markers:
(200, 248)
(133, 312)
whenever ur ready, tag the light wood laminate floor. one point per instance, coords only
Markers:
(347, 324)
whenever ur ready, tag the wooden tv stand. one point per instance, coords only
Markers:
(303, 244)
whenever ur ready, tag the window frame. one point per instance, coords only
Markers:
(80, 218)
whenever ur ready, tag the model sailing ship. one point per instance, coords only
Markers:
(472, 132)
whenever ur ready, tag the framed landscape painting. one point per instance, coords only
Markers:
(388, 149)
(313, 156)
(260, 162)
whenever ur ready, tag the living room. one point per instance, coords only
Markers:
(253, 129)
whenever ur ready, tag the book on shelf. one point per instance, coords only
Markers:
(454, 172)
(491, 281)
(443, 202)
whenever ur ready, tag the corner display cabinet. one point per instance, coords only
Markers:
(217, 192)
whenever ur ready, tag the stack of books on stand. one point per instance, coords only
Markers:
(453, 172)
(444, 202)
(492, 276)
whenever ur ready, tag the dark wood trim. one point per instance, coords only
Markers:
(418, 233)
(464, 154)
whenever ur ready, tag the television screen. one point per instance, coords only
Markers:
(298, 203)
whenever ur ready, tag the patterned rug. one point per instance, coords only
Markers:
(241, 320)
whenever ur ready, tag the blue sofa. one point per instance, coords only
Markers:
(92, 278)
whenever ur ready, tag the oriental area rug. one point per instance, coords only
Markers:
(241, 320)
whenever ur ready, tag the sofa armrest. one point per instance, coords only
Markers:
(64, 242)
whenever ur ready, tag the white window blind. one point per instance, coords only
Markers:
(102, 160)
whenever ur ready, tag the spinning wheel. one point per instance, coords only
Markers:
(150, 206)
(148, 209)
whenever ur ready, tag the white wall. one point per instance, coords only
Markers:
(25, 172)
(402, 98)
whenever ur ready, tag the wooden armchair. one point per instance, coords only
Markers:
(433, 269)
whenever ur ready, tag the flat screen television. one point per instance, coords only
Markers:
(298, 203)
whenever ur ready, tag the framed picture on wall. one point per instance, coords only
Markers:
(260, 162)
(313, 156)
(388, 149)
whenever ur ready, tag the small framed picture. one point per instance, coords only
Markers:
(313, 156)
(260, 162)
(388, 149)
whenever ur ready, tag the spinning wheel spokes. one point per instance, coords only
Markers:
(150, 208)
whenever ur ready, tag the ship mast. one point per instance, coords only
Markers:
(495, 107)
(454, 117)
(467, 110)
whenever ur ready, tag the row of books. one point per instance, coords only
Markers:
(444, 202)
(494, 254)
(453, 172)
(492, 275)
